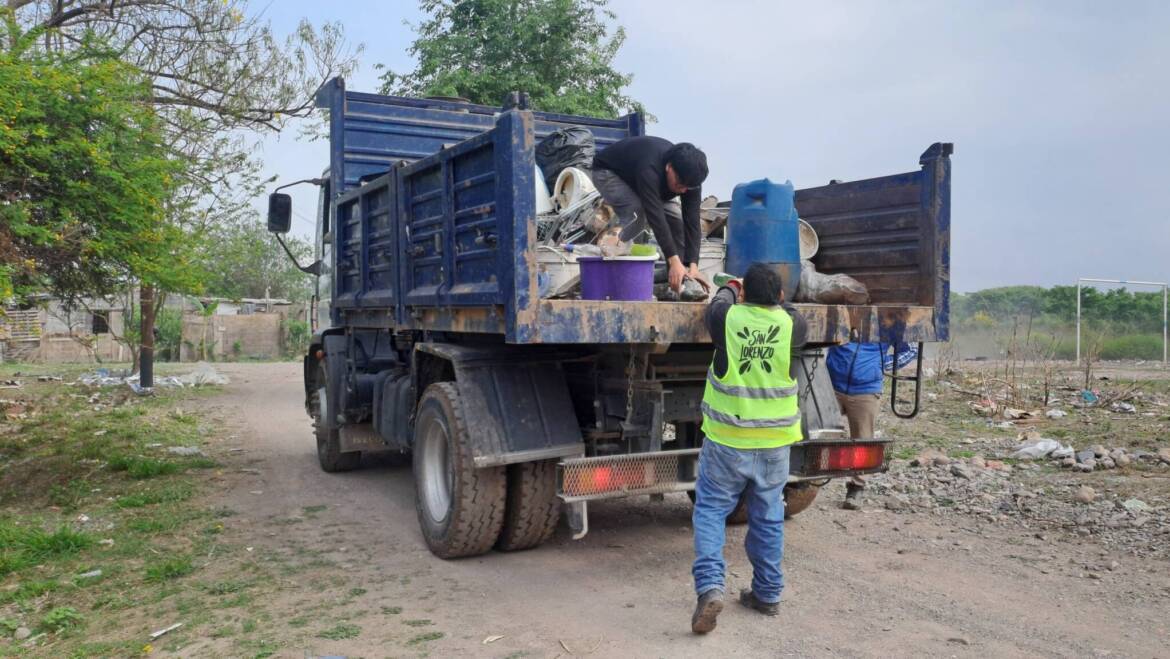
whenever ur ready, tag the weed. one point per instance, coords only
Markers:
(357, 592)
(29, 590)
(248, 627)
(298, 622)
(963, 454)
(140, 468)
(171, 568)
(313, 510)
(391, 610)
(143, 499)
(241, 599)
(225, 587)
(341, 632)
(417, 623)
(70, 495)
(424, 638)
(62, 618)
(22, 546)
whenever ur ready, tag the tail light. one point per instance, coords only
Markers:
(848, 457)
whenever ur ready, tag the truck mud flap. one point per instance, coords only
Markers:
(517, 405)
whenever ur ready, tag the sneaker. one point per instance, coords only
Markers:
(749, 599)
(707, 609)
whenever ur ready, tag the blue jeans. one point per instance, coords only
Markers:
(759, 475)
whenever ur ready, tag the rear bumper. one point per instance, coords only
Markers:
(615, 476)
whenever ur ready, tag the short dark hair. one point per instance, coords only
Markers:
(689, 163)
(762, 284)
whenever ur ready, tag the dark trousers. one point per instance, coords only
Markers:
(627, 206)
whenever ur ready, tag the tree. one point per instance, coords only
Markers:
(558, 51)
(244, 261)
(217, 74)
(84, 174)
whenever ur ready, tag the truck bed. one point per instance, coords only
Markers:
(445, 242)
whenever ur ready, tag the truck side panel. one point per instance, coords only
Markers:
(890, 233)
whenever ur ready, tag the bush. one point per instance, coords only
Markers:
(296, 337)
(1133, 346)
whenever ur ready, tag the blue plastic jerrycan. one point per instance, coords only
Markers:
(763, 227)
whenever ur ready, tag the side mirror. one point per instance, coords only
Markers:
(279, 212)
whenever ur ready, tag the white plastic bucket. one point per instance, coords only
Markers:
(809, 242)
(555, 269)
(712, 256)
(572, 185)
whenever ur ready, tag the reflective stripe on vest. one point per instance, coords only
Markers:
(754, 405)
(749, 392)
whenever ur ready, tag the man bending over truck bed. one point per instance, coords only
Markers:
(640, 177)
(750, 419)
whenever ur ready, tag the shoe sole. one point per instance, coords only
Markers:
(705, 620)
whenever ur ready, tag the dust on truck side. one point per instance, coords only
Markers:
(431, 338)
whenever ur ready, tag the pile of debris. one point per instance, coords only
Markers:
(1003, 493)
(1035, 447)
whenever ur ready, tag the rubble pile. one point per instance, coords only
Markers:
(1004, 493)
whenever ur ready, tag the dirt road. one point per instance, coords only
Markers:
(859, 584)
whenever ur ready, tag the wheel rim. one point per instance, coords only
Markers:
(436, 476)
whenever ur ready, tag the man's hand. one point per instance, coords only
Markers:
(677, 273)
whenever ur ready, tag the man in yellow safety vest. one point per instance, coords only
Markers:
(750, 419)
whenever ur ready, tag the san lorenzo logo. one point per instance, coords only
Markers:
(758, 346)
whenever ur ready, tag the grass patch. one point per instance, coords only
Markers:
(225, 587)
(170, 568)
(22, 546)
(171, 493)
(313, 510)
(357, 592)
(417, 623)
(341, 632)
(298, 622)
(425, 638)
(391, 610)
(141, 468)
(60, 619)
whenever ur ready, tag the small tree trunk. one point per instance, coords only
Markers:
(146, 356)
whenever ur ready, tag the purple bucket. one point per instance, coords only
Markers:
(629, 278)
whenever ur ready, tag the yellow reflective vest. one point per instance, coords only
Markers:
(754, 405)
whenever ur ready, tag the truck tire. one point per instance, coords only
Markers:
(738, 516)
(533, 508)
(460, 508)
(329, 454)
(798, 497)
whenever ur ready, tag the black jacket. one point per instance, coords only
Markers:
(640, 162)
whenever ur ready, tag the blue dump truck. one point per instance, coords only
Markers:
(431, 338)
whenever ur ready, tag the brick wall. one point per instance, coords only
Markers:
(257, 335)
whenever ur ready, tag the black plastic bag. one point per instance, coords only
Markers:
(567, 147)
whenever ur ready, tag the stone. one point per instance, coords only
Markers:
(1089, 465)
(896, 502)
(1113, 566)
(1122, 460)
(1055, 414)
(188, 451)
(978, 462)
(942, 460)
(1085, 494)
(1108, 463)
(998, 465)
(960, 471)
(1062, 453)
(1164, 454)
(1080, 466)
(1117, 453)
(22, 633)
(1087, 454)
(1136, 506)
(1098, 451)
(1068, 463)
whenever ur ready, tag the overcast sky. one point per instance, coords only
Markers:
(1059, 112)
